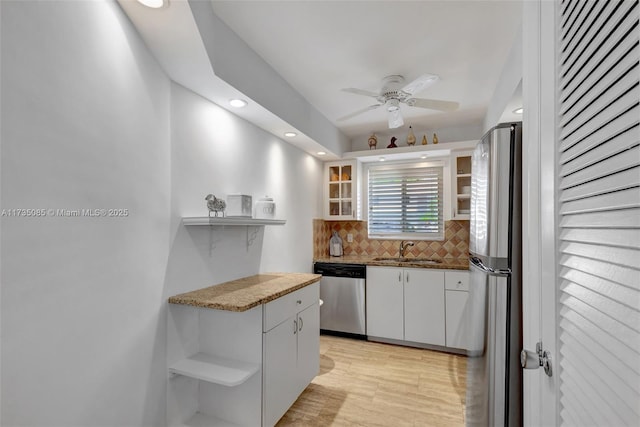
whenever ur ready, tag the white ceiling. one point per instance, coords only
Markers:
(291, 59)
(319, 47)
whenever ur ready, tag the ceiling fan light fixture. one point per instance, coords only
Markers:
(393, 105)
(391, 95)
(395, 119)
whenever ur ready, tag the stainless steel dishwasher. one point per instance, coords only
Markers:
(342, 290)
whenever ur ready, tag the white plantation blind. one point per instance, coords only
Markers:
(406, 201)
(599, 213)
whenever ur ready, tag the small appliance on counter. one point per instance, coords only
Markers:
(335, 245)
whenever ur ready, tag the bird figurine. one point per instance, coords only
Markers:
(393, 142)
(411, 138)
(215, 205)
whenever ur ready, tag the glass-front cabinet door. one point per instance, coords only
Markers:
(461, 184)
(341, 190)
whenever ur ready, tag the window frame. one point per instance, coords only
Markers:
(444, 163)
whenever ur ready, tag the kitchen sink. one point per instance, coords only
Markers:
(409, 260)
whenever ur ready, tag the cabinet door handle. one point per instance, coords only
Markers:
(400, 277)
(299, 301)
(407, 277)
(295, 326)
(300, 323)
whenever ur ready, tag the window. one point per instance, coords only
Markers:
(405, 201)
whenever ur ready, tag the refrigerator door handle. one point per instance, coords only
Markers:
(477, 263)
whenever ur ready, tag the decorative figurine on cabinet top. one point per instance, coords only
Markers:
(373, 141)
(424, 140)
(393, 142)
(215, 205)
(411, 138)
(435, 138)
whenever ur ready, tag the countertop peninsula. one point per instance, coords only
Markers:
(247, 292)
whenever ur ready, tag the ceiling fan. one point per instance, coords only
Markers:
(392, 94)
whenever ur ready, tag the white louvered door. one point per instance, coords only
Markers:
(597, 360)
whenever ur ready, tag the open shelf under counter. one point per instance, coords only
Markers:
(214, 369)
(204, 220)
(203, 420)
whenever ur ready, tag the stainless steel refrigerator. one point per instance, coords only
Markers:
(494, 375)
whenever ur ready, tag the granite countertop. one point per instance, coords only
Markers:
(446, 264)
(246, 293)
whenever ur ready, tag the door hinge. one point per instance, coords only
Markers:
(531, 360)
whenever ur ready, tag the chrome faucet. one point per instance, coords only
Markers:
(403, 247)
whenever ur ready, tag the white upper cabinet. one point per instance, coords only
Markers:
(341, 189)
(461, 184)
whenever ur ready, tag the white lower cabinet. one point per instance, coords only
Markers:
(424, 319)
(406, 304)
(241, 368)
(385, 302)
(457, 299)
(291, 351)
(418, 305)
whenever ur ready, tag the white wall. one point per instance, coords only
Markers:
(214, 151)
(508, 88)
(85, 124)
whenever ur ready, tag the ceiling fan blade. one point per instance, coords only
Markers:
(360, 92)
(421, 83)
(395, 119)
(432, 104)
(355, 113)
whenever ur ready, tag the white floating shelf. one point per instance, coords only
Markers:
(214, 369)
(410, 152)
(202, 420)
(204, 220)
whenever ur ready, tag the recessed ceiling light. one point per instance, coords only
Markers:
(238, 103)
(290, 134)
(321, 153)
(518, 110)
(154, 4)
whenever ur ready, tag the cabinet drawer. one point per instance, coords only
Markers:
(456, 280)
(277, 311)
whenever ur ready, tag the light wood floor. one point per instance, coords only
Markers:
(363, 383)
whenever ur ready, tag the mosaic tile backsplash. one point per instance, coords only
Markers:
(454, 245)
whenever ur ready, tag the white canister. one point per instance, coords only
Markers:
(265, 208)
